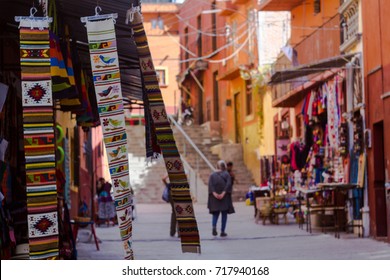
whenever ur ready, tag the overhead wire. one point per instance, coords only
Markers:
(185, 20)
(218, 50)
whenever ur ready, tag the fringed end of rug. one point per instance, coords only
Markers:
(191, 249)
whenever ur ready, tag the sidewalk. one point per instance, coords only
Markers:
(246, 240)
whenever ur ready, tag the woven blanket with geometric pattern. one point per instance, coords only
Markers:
(39, 139)
(180, 190)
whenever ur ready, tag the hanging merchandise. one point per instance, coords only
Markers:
(333, 114)
(357, 133)
(70, 104)
(39, 139)
(61, 85)
(106, 78)
(343, 133)
(188, 227)
(86, 117)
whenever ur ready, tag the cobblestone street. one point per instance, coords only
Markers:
(246, 240)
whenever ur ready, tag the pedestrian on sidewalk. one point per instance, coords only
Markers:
(173, 224)
(220, 185)
(229, 167)
(106, 205)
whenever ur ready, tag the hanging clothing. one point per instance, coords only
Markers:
(333, 114)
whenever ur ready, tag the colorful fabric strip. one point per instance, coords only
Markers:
(39, 140)
(106, 77)
(61, 85)
(188, 228)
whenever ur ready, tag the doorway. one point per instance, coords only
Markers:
(381, 218)
(200, 103)
(237, 116)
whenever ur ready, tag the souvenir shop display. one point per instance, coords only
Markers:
(331, 165)
(35, 213)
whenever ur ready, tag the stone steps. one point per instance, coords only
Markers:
(204, 142)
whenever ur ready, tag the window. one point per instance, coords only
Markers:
(158, 23)
(208, 110)
(162, 76)
(186, 55)
(317, 6)
(214, 26)
(216, 98)
(199, 39)
(249, 105)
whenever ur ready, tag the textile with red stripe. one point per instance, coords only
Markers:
(39, 139)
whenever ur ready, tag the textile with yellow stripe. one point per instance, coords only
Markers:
(39, 139)
(180, 190)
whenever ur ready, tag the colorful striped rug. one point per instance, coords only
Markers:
(188, 228)
(106, 77)
(39, 139)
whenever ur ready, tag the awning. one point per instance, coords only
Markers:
(311, 68)
(278, 5)
(293, 97)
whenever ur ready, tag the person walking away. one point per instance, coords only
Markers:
(173, 214)
(106, 205)
(218, 203)
(229, 167)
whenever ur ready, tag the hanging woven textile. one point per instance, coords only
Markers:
(39, 139)
(106, 78)
(160, 126)
(70, 104)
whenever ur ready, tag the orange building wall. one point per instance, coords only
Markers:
(165, 49)
(189, 13)
(371, 35)
(385, 46)
(304, 21)
(376, 39)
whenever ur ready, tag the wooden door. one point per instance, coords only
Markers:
(381, 218)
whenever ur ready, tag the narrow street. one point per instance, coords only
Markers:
(246, 240)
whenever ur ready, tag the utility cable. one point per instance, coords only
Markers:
(217, 50)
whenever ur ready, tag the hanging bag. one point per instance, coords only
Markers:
(165, 194)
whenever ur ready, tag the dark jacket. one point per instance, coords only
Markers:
(219, 182)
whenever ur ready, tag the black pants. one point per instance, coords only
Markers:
(173, 220)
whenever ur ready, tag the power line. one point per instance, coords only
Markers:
(223, 47)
